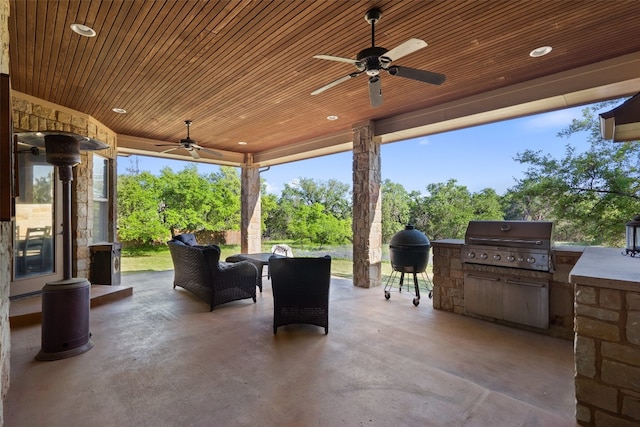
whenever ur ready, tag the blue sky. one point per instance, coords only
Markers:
(478, 157)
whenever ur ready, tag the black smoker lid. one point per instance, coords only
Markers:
(409, 237)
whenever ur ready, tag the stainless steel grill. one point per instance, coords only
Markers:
(517, 244)
(507, 267)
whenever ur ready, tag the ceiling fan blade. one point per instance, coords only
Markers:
(193, 153)
(170, 149)
(337, 58)
(165, 145)
(375, 91)
(420, 75)
(207, 150)
(334, 83)
(404, 49)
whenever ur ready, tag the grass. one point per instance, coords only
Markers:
(159, 259)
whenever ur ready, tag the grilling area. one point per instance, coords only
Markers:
(510, 273)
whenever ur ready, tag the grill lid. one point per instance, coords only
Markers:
(522, 234)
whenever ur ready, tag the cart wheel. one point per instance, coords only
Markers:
(430, 294)
(416, 301)
(387, 295)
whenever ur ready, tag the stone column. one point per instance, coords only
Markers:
(6, 231)
(367, 208)
(607, 338)
(251, 212)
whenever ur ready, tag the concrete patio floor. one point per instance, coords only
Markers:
(162, 359)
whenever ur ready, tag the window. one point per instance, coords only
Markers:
(100, 199)
(34, 248)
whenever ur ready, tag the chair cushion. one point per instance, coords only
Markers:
(188, 239)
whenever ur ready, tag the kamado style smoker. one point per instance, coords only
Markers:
(409, 253)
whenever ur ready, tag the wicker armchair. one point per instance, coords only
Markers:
(300, 291)
(198, 269)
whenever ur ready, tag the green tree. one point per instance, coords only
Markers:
(224, 199)
(312, 211)
(269, 205)
(313, 224)
(448, 207)
(334, 195)
(139, 212)
(486, 205)
(396, 209)
(590, 194)
(43, 189)
(151, 209)
(186, 199)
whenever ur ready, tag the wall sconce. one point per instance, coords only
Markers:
(633, 236)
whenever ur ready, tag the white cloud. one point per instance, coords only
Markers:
(272, 189)
(554, 119)
(423, 140)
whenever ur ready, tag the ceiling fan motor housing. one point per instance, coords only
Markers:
(369, 60)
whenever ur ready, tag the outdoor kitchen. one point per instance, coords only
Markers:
(511, 273)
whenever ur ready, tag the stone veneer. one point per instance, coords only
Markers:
(367, 208)
(251, 210)
(448, 284)
(6, 236)
(33, 114)
(607, 340)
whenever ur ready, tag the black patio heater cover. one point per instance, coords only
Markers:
(65, 303)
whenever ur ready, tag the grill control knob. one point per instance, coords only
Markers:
(496, 257)
(511, 258)
(531, 260)
(483, 256)
(471, 255)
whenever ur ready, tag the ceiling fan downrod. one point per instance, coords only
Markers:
(188, 124)
(373, 16)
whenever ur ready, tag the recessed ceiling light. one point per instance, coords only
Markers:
(119, 110)
(332, 117)
(83, 30)
(242, 143)
(540, 51)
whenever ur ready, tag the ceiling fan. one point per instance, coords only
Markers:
(190, 145)
(374, 59)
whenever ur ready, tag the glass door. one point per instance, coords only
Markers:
(37, 244)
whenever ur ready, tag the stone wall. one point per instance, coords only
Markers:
(448, 276)
(33, 114)
(6, 257)
(6, 233)
(607, 350)
(448, 284)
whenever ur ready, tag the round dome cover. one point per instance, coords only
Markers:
(409, 237)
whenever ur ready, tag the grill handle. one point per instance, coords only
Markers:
(491, 279)
(533, 285)
(520, 241)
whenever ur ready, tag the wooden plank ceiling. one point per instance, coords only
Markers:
(244, 70)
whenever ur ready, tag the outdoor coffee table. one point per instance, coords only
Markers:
(258, 259)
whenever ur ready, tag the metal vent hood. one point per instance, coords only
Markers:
(623, 122)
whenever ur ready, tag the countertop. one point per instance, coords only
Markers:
(608, 268)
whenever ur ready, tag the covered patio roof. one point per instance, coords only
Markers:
(244, 71)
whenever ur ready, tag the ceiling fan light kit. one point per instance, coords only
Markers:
(374, 59)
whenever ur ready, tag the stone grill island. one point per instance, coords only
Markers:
(594, 299)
